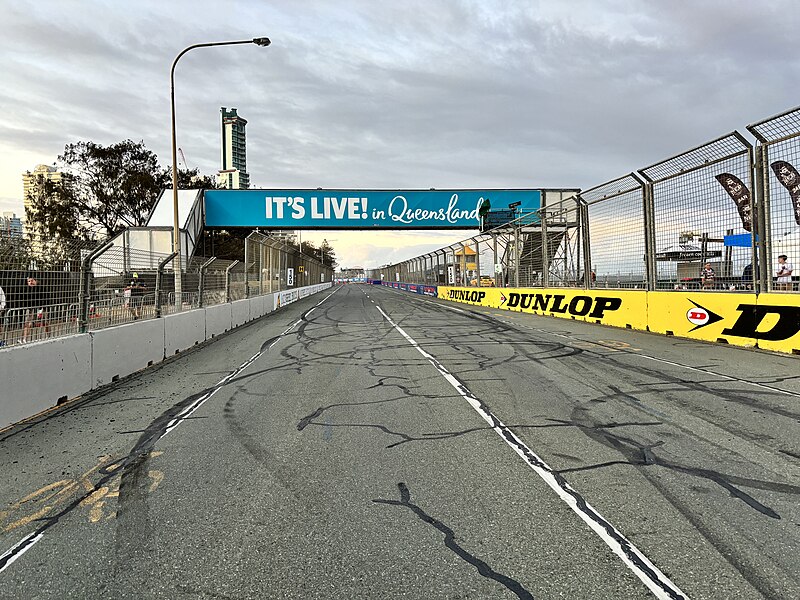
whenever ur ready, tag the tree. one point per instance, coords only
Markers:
(49, 210)
(103, 189)
(328, 255)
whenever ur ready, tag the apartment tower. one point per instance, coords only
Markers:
(233, 175)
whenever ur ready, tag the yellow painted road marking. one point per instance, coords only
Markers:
(49, 497)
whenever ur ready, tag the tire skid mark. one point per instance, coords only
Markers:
(484, 569)
(137, 458)
(635, 560)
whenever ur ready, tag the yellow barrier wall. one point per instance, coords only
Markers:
(609, 307)
(697, 315)
(768, 321)
(778, 322)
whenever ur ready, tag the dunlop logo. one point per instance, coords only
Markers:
(467, 296)
(579, 306)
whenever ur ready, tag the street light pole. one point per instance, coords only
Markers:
(322, 251)
(176, 230)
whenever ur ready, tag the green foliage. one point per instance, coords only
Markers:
(103, 190)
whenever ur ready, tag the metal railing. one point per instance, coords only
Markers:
(715, 217)
(89, 285)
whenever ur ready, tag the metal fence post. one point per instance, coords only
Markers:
(497, 276)
(159, 273)
(247, 256)
(202, 280)
(83, 294)
(650, 270)
(762, 244)
(517, 254)
(583, 219)
(545, 245)
(228, 280)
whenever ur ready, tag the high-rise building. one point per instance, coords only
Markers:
(29, 179)
(10, 226)
(233, 174)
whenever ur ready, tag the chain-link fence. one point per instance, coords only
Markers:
(52, 287)
(724, 216)
(777, 165)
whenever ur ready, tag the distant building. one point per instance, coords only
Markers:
(29, 179)
(233, 174)
(11, 226)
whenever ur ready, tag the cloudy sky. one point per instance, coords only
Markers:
(415, 94)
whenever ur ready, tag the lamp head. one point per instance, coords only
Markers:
(261, 41)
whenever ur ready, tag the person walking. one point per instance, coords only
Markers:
(138, 292)
(35, 302)
(784, 274)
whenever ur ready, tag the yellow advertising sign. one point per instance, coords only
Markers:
(620, 309)
(768, 321)
(777, 322)
(697, 315)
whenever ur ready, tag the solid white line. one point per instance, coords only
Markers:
(682, 366)
(30, 540)
(658, 583)
(189, 410)
(33, 538)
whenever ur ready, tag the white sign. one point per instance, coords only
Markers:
(451, 275)
(289, 276)
(498, 268)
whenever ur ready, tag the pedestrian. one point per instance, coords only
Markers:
(137, 297)
(707, 277)
(784, 274)
(34, 299)
(2, 315)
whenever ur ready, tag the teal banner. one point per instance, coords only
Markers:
(358, 209)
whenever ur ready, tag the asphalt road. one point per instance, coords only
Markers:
(369, 443)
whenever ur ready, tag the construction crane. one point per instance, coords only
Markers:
(183, 158)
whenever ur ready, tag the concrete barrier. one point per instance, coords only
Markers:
(218, 320)
(184, 330)
(240, 312)
(37, 376)
(120, 351)
(256, 307)
(34, 377)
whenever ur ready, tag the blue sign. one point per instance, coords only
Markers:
(357, 209)
(741, 240)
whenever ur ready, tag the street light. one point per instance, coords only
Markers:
(322, 250)
(176, 230)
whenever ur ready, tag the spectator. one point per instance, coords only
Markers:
(34, 299)
(137, 297)
(784, 274)
(707, 276)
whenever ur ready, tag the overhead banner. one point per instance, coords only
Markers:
(357, 209)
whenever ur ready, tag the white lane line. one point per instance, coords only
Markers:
(662, 360)
(688, 367)
(658, 583)
(18, 550)
(25, 544)
(189, 410)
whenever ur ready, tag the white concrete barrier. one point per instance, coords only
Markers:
(256, 307)
(120, 351)
(240, 312)
(34, 377)
(37, 376)
(184, 330)
(218, 320)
